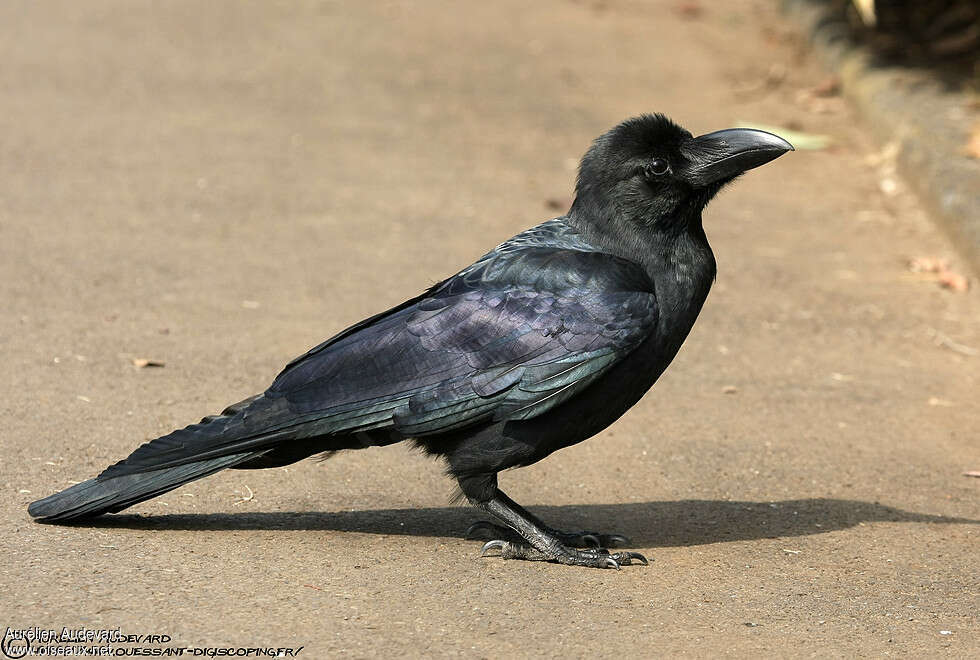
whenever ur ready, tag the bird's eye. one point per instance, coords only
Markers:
(658, 167)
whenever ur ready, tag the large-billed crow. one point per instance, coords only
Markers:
(543, 342)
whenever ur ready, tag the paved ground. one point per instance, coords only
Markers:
(219, 186)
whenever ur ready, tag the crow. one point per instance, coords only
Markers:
(540, 344)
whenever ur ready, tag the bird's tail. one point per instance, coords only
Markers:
(218, 442)
(108, 495)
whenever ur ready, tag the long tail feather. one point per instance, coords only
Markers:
(108, 495)
(217, 442)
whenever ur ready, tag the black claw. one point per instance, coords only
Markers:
(592, 539)
(617, 540)
(490, 545)
(627, 558)
(596, 557)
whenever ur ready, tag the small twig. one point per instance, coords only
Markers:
(939, 339)
(246, 498)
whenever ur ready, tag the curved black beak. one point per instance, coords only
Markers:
(723, 155)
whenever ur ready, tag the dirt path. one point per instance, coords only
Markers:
(220, 186)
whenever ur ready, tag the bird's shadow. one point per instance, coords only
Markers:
(648, 524)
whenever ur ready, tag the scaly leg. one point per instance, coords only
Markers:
(528, 538)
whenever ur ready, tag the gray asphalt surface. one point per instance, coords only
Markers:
(219, 186)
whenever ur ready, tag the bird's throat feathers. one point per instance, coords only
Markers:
(664, 246)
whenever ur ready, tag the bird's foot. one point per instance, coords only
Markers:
(526, 537)
(592, 557)
(485, 530)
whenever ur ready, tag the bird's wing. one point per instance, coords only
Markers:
(508, 338)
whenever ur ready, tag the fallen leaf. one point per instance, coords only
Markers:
(953, 281)
(928, 264)
(142, 363)
(945, 276)
(829, 86)
(689, 9)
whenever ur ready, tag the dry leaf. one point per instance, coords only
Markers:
(829, 86)
(947, 278)
(823, 98)
(928, 265)
(689, 9)
(953, 281)
(142, 363)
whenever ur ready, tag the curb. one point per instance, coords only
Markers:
(928, 126)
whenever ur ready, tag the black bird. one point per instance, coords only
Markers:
(543, 342)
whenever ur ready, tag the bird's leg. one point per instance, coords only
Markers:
(529, 538)
(486, 530)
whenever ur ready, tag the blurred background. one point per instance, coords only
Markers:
(941, 33)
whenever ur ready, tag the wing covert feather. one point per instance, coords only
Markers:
(509, 338)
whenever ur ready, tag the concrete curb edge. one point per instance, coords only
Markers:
(930, 157)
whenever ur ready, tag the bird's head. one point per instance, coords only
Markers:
(651, 172)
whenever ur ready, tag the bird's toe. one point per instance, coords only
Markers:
(509, 550)
(593, 540)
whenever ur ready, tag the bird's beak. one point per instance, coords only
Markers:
(723, 155)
